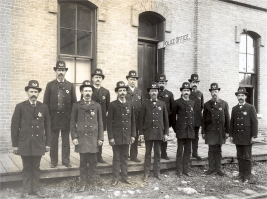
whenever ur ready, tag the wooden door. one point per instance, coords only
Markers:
(147, 65)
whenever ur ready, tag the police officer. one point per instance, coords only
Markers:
(243, 131)
(121, 132)
(167, 97)
(182, 120)
(87, 133)
(31, 137)
(197, 97)
(134, 95)
(59, 96)
(102, 96)
(154, 128)
(216, 123)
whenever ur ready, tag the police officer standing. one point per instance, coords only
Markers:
(87, 133)
(216, 123)
(134, 95)
(197, 97)
(121, 132)
(167, 97)
(31, 137)
(102, 96)
(243, 131)
(182, 120)
(59, 96)
(154, 128)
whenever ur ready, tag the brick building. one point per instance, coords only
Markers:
(224, 41)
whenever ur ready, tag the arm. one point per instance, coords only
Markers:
(109, 122)
(231, 124)
(15, 126)
(100, 124)
(108, 101)
(73, 95)
(47, 127)
(171, 105)
(254, 122)
(204, 118)
(202, 101)
(73, 122)
(227, 118)
(173, 116)
(47, 94)
(165, 119)
(142, 119)
(133, 127)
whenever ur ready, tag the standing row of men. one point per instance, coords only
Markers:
(127, 118)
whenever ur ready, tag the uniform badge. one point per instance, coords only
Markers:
(166, 95)
(245, 113)
(67, 91)
(220, 109)
(159, 108)
(92, 112)
(139, 97)
(191, 109)
(199, 98)
(39, 114)
(103, 97)
(127, 110)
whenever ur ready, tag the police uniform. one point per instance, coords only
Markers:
(153, 124)
(182, 120)
(121, 127)
(59, 97)
(102, 96)
(135, 97)
(31, 133)
(87, 126)
(244, 126)
(216, 123)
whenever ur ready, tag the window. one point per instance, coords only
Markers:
(76, 41)
(248, 66)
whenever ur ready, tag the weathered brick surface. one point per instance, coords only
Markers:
(29, 47)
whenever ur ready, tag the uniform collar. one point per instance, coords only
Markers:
(60, 81)
(33, 103)
(123, 102)
(132, 88)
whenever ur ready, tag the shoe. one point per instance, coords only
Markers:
(197, 157)
(165, 157)
(245, 181)
(126, 182)
(187, 174)
(67, 165)
(136, 160)
(145, 178)
(209, 172)
(40, 194)
(100, 160)
(220, 173)
(53, 165)
(82, 188)
(158, 177)
(24, 195)
(178, 175)
(114, 183)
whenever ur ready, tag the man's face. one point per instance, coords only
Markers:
(215, 94)
(162, 85)
(87, 93)
(241, 98)
(60, 74)
(194, 84)
(132, 81)
(185, 93)
(122, 93)
(97, 79)
(153, 94)
(32, 94)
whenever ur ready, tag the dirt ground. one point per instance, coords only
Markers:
(168, 187)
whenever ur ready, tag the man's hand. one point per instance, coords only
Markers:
(111, 142)
(165, 138)
(132, 140)
(226, 135)
(99, 142)
(15, 150)
(141, 138)
(75, 141)
(231, 139)
(253, 140)
(204, 136)
(47, 149)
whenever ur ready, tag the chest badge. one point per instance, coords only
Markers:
(39, 114)
(67, 91)
(92, 112)
(166, 95)
(139, 97)
(103, 97)
(191, 109)
(220, 109)
(245, 113)
(159, 108)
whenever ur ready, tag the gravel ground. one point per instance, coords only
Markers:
(168, 187)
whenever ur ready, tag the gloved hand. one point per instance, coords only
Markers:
(15, 150)
(141, 138)
(165, 138)
(111, 142)
(47, 149)
(75, 141)
(132, 140)
(99, 142)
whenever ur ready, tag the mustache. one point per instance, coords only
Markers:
(122, 94)
(87, 95)
(186, 94)
(33, 96)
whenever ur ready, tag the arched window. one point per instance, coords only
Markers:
(248, 66)
(76, 42)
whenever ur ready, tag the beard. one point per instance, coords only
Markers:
(161, 88)
(154, 98)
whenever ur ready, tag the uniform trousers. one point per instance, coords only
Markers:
(183, 155)
(31, 173)
(244, 157)
(65, 135)
(195, 142)
(99, 153)
(147, 163)
(164, 149)
(215, 157)
(86, 172)
(120, 161)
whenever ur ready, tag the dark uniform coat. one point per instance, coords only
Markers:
(121, 122)
(60, 116)
(244, 124)
(216, 122)
(153, 120)
(86, 125)
(183, 125)
(198, 98)
(31, 130)
(135, 97)
(102, 96)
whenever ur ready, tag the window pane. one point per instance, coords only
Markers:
(147, 29)
(242, 44)
(83, 70)
(67, 15)
(250, 64)
(84, 43)
(83, 18)
(241, 78)
(70, 64)
(250, 45)
(248, 79)
(242, 62)
(78, 92)
(67, 41)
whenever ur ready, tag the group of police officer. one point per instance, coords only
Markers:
(36, 126)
